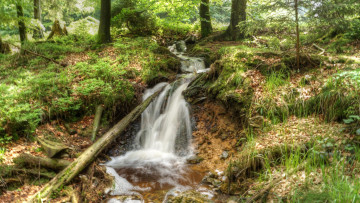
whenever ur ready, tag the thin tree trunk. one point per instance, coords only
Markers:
(38, 32)
(21, 23)
(297, 36)
(99, 110)
(89, 155)
(1, 45)
(105, 18)
(205, 18)
(238, 15)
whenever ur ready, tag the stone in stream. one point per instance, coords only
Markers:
(188, 196)
(195, 159)
(181, 46)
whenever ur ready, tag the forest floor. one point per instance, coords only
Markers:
(261, 118)
(291, 116)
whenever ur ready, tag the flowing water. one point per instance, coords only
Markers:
(158, 162)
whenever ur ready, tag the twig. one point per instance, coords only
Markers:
(319, 48)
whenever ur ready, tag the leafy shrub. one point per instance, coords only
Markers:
(137, 19)
(354, 31)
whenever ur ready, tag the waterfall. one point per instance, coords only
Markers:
(165, 127)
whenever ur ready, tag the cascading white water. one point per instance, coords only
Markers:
(155, 159)
(188, 64)
(160, 130)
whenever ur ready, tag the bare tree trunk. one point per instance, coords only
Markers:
(38, 32)
(238, 15)
(92, 152)
(205, 18)
(105, 18)
(21, 23)
(297, 36)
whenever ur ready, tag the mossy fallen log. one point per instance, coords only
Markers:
(89, 155)
(54, 164)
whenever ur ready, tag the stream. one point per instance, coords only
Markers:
(157, 166)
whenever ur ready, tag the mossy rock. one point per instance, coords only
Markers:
(189, 197)
(194, 159)
(168, 64)
(155, 79)
(163, 51)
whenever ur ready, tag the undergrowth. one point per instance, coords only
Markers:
(35, 90)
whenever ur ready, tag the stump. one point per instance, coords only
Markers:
(56, 30)
(52, 148)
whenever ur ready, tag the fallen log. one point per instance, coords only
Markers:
(54, 164)
(89, 155)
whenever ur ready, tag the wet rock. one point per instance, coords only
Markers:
(224, 155)
(181, 46)
(188, 197)
(212, 181)
(212, 178)
(125, 198)
(195, 159)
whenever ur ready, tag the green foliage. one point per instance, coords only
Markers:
(276, 79)
(338, 185)
(354, 30)
(139, 22)
(154, 66)
(339, 45)
(2, 153)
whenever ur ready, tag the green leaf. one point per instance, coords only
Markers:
(356, 117)
(347, 121)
